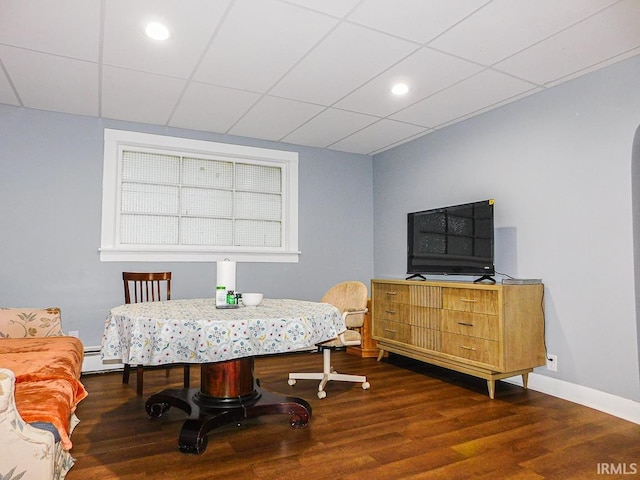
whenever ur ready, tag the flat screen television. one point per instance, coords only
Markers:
(454, 240)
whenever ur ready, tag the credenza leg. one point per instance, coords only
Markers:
(525, 379)
(491, 384)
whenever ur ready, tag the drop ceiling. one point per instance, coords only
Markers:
(304, 72)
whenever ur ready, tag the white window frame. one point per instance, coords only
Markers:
(111, 250)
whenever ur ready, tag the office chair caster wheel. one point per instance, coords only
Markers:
(366, 385)
(291, 381)
(322, 394)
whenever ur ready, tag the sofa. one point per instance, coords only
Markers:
(40, 389)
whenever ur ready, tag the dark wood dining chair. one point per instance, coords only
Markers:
(147, 287)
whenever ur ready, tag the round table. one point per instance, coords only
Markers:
(224, 342)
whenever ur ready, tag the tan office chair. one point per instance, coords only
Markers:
(351, 299)
(147, 287)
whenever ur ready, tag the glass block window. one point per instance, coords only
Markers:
(202, 201)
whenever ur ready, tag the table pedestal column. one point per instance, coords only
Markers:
(228, 393)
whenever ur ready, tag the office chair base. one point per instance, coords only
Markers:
(327, 375)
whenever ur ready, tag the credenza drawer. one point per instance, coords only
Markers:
(470, 348)
(472, 324)
(425, 317)
(426, 338)
(469, 300)
(394, 312)
(388, 292)
(399, 332)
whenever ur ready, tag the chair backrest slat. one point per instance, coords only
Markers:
(146, 286)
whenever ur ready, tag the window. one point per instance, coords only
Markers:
(176, 199)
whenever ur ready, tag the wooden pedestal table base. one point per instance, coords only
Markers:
(228, 393)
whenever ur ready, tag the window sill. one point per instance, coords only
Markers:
(159, 255)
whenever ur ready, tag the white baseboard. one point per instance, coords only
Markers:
(589, 397)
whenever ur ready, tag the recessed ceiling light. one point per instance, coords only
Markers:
(399, 89)
(157, 31)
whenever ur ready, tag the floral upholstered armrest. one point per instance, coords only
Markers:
(27, 452)
(30, 322)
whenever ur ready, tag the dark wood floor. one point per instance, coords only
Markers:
(416, 422)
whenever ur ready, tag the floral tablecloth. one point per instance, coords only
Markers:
(194, 331)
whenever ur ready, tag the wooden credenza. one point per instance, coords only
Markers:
(489, 331)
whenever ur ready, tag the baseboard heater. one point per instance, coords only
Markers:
(93, 361)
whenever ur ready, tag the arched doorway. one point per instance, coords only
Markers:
(635, 198)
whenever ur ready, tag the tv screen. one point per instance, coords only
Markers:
(455, 240)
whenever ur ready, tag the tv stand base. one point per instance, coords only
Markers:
(485, 278)
(417, 276)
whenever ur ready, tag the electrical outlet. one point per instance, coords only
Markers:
(74, 333)
(552, 362)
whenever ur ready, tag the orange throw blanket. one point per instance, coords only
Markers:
(47, 373)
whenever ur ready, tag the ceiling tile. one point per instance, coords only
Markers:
(425, 72)
(211, 108)
(191, 25)
(336, 8)
(138, 96)
(473, 94)
(329, 127)
(504, 27)
(259, 42)
(64, 27)
(71, 85)
(269, 69)
(7, 95)
(612, 32)
(416, 20)
(273, 118)
(378, 136)
(344, 60)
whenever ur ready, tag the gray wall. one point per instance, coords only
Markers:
(50, 199)
(558, 164)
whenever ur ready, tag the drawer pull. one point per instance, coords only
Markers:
(391, 312)
(389, 330)
(469, 300)
(392, 293)
(467, 348)
(465, 324)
